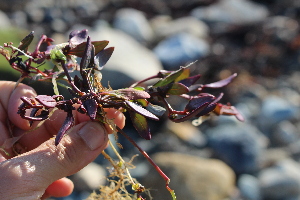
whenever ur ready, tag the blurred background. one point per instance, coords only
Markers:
(222, 159)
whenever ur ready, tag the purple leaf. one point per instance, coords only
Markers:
(86, 58)
(239, 116)
(102, 57)
(221, 83)
(78, 82)
(133, 94)
(81, 109)
(32, 114)
(218, 98)
(198, 101)
(79, 49)
(190, 81)
(49, 48)
(46, 101)
(198, 106)
(77, 37)
(92, 60)
(44, 115)
(68, 123)
(91, 107)
(208, 109)
(30, 102)
(141, 110)
(190, 114)
(141, 125)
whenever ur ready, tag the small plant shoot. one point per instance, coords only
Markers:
(88, 57)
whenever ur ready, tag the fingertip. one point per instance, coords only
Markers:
(117, 116)
(60, 188)
(80, 117)
(111, 114)
(15, 101)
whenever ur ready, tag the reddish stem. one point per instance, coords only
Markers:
(162, 174)
(142, 81)
(71, 82)
(36, 51)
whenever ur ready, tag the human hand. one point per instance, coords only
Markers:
(38, 171)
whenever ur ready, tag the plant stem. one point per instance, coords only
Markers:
(19, 81)
(63, 65)
(157, 168)
(142, 81)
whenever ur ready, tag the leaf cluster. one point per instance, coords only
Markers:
(87, 91)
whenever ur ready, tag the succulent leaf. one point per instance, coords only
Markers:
(68, 123)
(197, 101)
(77, 37)
(178, 89)
(156, 110)
(91, 107)
(190, 80)
(141, 125)
(185, 74)
(102, 57)
(133, 94)
(170, 78)
(86, 58)
(141, 110)
(26, 41)
(79, 49)
(191, 114)
(221, 83)
(46, 101)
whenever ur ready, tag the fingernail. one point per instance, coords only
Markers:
(93, 134)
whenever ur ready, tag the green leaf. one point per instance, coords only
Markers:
(79, 49)
(57, 54)
(139, 88)
(170, 78)
(185, 74)
(178, 89)
(142, 102)
(141, 125)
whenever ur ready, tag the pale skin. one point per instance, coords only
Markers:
(40, 169)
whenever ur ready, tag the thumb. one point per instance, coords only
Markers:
(28, 175)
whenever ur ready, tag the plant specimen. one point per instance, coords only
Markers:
(87, 91)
